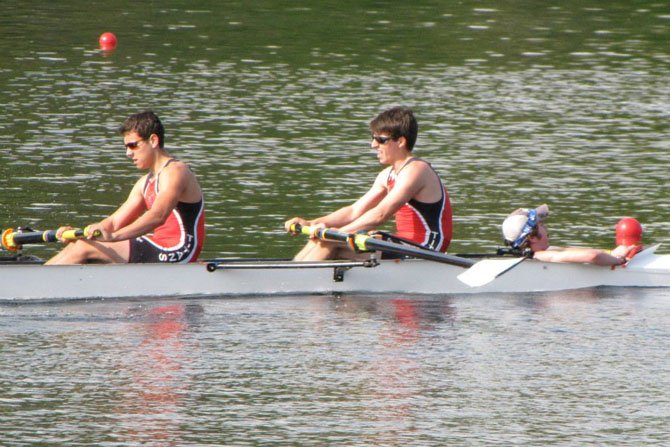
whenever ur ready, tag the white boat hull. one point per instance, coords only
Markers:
(23, 282)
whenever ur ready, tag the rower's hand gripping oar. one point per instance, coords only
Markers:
(365, 242)
(14, 240)
(327, 234)
(478, 273)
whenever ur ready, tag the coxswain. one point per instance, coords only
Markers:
(524, 230)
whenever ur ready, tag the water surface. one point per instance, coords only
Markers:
(575, 368)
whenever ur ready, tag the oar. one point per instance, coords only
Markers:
(13, 240)
(365, 242)
(486, 270)
(478, 273)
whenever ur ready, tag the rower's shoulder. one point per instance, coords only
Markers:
(417, 169)
(417, 164)
(179, 167)
(179, 176)
(422, 163)
(175, 163)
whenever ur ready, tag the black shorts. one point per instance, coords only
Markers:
(143, 250)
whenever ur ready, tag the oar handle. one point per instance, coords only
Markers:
(358, 242)
(14, 240)
(364, 242)
(77, 233)
(321, 233)
(297, 228)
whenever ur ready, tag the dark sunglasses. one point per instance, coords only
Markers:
(381, 140)
(132, 145)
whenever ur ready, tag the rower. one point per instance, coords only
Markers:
(162, 220)
(524, 229)
(408, 189)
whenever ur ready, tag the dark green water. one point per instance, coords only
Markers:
(519, 103)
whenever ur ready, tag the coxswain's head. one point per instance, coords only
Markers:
(524, 223)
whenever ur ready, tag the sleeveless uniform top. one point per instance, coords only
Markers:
(427, 224)
(184, 230)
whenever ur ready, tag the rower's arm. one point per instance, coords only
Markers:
(349, 213)
(578, 255)
(174, 182)
(129, 211)
(408, 184)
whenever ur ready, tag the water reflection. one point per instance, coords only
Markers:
(151, 409)
(392, 380)
(320, 369)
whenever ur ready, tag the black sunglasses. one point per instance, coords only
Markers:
(132, 145)
(381, 140)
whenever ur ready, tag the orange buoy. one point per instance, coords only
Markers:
(107, 41)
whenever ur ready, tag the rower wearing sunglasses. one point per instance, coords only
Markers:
(524, 231)
(408, 188)
(162, 220)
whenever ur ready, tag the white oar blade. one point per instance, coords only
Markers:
(487, 270)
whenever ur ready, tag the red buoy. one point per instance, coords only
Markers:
(628, 231)
(107, 41)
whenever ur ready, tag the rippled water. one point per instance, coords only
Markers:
(569, 107)
(518, 103)
(582, 368)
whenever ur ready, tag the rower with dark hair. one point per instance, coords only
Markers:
(409, 189)
(162, 220)
(524, 230)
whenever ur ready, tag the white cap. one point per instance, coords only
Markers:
(514, 224)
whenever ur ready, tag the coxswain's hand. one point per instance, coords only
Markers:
(622, 251)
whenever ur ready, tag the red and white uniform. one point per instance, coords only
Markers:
(427, 224)
(181, 236)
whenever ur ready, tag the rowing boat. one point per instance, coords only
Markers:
(25, 279)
